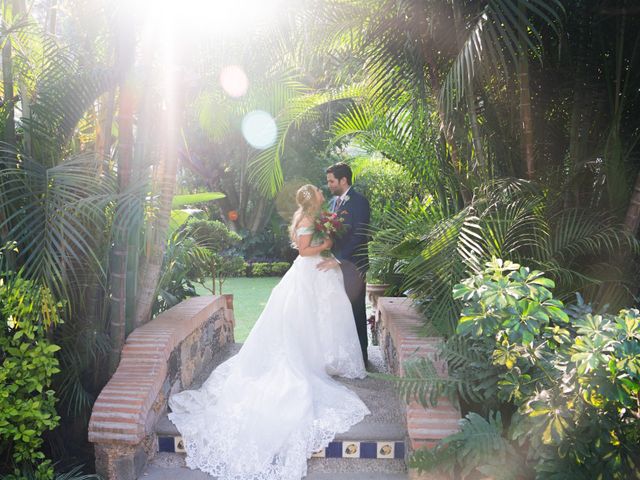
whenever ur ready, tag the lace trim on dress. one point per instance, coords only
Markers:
(304, 231)
(290, 464)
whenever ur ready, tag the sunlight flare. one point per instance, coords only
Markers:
(259, 129)
(234, 81)
(216, 16)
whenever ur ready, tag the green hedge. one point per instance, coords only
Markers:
(268, 269)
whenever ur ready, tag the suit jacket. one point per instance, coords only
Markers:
(352, 246)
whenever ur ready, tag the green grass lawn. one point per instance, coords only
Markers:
(250, 295)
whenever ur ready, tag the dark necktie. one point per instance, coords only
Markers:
(338, 203)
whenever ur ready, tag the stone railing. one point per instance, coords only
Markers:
(158, 359)
(398, 323)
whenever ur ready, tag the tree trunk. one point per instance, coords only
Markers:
(9, 100)
(119, 253)
(167, 169)
(258, 215)
(52, 14)
(9, 136)
(105, 122)
(526, 118)
(632, 217)
(152, 263)
(25, 102)
(124, 59)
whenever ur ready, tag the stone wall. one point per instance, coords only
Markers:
(398, 324)
(160, 358)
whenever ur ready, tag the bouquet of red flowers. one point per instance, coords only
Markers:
(328, 224)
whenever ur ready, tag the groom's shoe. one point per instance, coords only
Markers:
(367, 365)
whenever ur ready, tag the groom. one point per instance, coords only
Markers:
(350, 250)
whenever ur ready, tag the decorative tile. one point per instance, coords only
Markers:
(319, 454)
(334, 450)
(386, 449)
(179, 445)
(166, 444)
(343, 449)
(350, 449)
(368, 449)
(399, 450)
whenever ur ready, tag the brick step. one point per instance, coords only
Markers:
(170, 466)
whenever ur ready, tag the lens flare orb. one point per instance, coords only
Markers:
(234, 81)
(259, 129)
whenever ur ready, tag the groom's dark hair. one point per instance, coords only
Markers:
(341, 170)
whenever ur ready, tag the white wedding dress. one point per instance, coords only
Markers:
(262, 413)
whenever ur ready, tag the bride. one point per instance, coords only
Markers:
(261, 414)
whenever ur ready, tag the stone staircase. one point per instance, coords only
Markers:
(373, 449)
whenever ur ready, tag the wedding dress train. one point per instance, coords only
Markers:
(262, 413)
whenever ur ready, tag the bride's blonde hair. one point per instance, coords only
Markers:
(307, 207)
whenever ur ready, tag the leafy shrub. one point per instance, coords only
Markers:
(387, 184)
(27, 365)
(213, 234)
(223, 261)
(228, 266)
(261, 269)
(271, 242)
(279, 268)
(266, 269)
(184, 262)
(571, 382)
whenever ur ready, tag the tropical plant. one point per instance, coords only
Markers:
(75, 473)
(433, 248)
(52, 212)
(185, 261)
(568, 383)
(219, 242)
(27, 367)
(386, 184)
(437, 100)
(61, 201)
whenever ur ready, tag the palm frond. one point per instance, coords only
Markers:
(76, 474)
(52, 212)
(501, 26)
(479, 447)
(65, 89)
(426, 384)
(265, 169)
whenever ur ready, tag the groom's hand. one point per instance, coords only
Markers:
(327, 264)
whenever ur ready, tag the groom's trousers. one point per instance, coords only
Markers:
(355, 286)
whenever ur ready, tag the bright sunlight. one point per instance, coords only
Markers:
(219, 17)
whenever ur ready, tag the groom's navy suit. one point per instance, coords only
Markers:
(351, 250)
